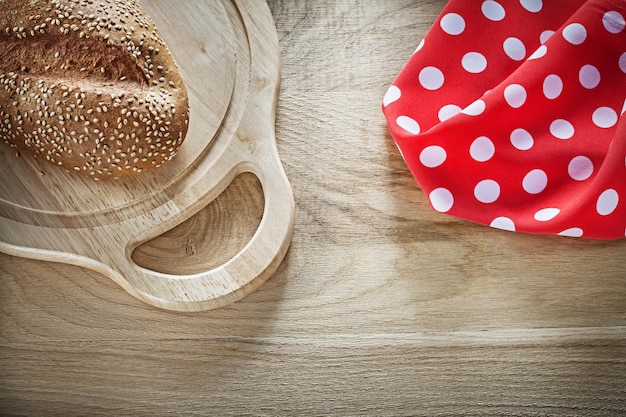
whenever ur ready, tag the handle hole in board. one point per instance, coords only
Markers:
(212, 236)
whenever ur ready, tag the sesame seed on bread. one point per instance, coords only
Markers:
(89, 85)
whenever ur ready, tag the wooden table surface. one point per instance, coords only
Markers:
(381, 307)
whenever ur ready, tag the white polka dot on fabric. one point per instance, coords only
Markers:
(623, 108)
(539, 53)
(552, 86)
(448, 111)
(622, 62)
(607, 202)
(420, 45)
(562, 129)
(532, 5)
(441, 199)
(431, 78)
(482, 149)
(493, 10)
(580, 168)
(503, 223)
(433, 156)
(545, 35)
(547, 214)
(613, 21)
(521, 139)
(408, 124)
(487, 191)
(392, 94)
(575, 33)
(514, 48)
(604, 117)
(535, 181)
(452, 24)
(573, 232)
(474, 62)
(475, 109)
(589, 76)
(515, 95)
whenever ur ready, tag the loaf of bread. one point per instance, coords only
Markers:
(89, 85)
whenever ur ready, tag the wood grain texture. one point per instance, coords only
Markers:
(381, 307)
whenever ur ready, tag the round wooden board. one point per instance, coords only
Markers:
(227, 52)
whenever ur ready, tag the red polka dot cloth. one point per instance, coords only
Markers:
(510, 113)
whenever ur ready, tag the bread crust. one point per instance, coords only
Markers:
(89, 85)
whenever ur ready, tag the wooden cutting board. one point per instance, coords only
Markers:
(228, 54)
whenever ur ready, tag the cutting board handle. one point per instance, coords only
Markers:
(237, 277)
